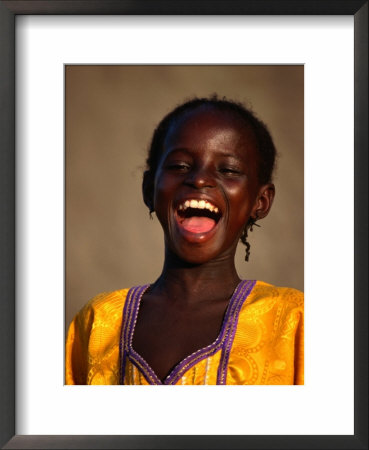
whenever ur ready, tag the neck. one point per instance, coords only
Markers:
(189, 282)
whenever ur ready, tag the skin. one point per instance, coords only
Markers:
(209, 155)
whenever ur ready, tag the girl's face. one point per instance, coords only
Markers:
(206, 186)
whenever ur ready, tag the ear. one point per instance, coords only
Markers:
(263, 202)
(148, 190)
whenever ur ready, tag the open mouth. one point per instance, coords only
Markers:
(198, 216)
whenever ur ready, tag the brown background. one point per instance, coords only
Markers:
(111, 112)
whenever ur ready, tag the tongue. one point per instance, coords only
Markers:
(198, 224)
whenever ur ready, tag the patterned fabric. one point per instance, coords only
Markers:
(261, 342)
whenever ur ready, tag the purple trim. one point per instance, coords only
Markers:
(136, 297)
(141, 369)
(144, 367)
(224, 340)
(181, 368)
(238, 297)
(133, 356)
(134, 294)
(122, 347)
(244, 291)
(211, 349)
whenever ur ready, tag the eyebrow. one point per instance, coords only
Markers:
(178, 149)
(228, 155)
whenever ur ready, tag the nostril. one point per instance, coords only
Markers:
(200, 180)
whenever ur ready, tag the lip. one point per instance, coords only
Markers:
(196, 238)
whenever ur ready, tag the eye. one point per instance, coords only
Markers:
(231, 171)
(178, 166)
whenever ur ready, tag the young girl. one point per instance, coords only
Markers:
(208, 180)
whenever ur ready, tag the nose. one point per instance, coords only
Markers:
(200, 178)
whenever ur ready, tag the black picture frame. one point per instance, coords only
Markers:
(8, 12)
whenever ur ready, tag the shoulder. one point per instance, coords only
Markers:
(105, 307)
(266, 297)
(93, 340)
(290, 295)
(276, 312)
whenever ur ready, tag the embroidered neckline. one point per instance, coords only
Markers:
(223, 341)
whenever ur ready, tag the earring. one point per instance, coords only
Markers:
(251, 222)
(150, 213)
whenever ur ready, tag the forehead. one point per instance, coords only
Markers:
(210, 127)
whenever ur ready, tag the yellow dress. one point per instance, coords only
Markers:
(261, 342)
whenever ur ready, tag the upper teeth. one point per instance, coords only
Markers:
(200, 204)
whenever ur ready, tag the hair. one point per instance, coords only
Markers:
(264, 142)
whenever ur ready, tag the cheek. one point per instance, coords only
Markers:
(240, 195)
(241, 202)
(162, 188)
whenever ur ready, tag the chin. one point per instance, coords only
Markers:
(198, 254)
